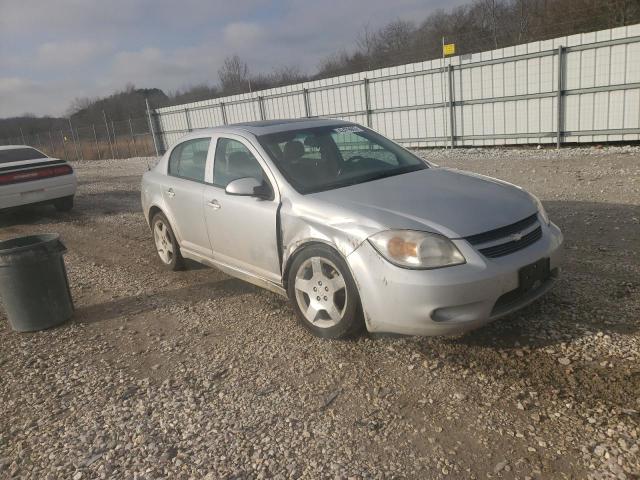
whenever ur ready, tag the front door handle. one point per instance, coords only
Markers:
(171, 193)
(214, 204)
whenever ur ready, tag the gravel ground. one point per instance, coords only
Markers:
(198, 375)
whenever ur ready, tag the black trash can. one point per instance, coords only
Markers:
(34, 288)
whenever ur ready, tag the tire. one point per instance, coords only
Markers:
(320, 272)
(63, 204)
(166, 244)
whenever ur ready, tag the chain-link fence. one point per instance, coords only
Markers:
(110, 139)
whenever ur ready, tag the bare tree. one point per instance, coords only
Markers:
(234, 76)
(338, 63)
(194, 93)
(489, 11)
(366, 43)
(393, 42)
(286, 74)
(623, 12)
(78, 104)
(522, 11)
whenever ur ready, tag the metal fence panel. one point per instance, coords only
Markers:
(578, 88)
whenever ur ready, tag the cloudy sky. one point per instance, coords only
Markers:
(52, 51)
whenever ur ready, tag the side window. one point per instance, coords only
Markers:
(233, 160)
(188, 160)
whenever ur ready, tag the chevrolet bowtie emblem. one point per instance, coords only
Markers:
(516, 237)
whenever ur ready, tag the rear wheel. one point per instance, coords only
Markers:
(166, 243)
(323, 293)
(63, 204)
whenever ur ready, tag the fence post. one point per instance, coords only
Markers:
(224, 113)
(188, 117)
(452, 116)
(79, 143)
(260, 107)
(367, 101)
(133, 137)
(64, 146)
(22, 135)
(95, 137)
(560, 110)
(305, 98)
(115, 143)
(53, 150)
(75, 145)
(106, 124)
(153, 133)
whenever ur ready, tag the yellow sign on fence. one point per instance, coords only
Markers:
(449, 49)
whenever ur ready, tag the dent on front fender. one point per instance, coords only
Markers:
(301, 225)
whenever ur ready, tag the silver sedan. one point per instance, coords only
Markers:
(355, 230)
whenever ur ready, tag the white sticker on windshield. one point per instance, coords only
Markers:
(351, 129)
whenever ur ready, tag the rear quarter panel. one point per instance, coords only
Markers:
(151, 194)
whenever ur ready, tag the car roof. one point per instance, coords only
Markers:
(265, 127)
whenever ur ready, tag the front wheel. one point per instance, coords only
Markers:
(166, 243)
(323, 293)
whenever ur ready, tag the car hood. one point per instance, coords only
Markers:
(451, 202)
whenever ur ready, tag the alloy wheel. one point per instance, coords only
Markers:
(321, 292)
(164, 242)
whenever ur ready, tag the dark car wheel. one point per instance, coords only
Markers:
(166, 243)
(323, 293)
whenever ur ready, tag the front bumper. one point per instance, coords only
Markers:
(450, 300)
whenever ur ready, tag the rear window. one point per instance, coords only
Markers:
(19, 154)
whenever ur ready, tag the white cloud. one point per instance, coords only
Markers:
(69, 53)
(53, 52)
(243, 35)
(166, 69)
(22, 95)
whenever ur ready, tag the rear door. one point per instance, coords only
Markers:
(183, 190)
(242, 230)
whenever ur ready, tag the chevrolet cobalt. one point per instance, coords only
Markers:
(354, 229)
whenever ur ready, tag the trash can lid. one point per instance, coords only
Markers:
(45, 242)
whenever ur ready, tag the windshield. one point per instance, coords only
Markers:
(324, 158)
(20, 154)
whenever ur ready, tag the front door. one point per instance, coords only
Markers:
(242, 230)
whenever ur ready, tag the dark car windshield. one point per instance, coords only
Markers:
(20, 154)
(324, 158)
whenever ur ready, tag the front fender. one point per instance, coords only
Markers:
(298, 230)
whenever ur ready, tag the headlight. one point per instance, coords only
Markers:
(541, 210)
(411, 249)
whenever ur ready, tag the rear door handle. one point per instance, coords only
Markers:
(171, 193)
(214, 204)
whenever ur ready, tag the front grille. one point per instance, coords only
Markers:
(502, 232)
(512, 246)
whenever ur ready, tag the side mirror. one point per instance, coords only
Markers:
(248, 187)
